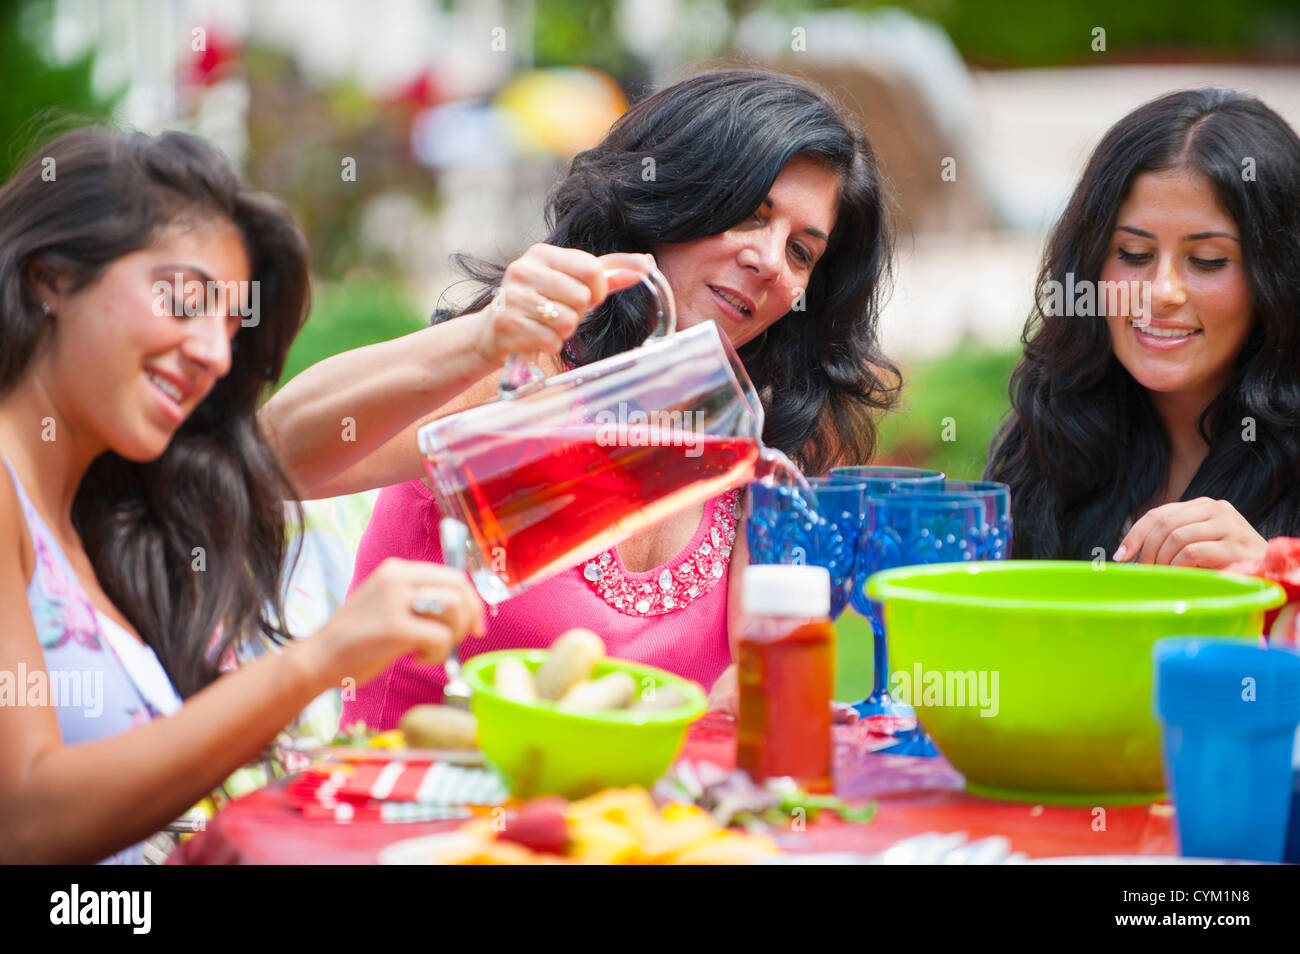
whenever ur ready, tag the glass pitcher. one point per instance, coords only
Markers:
(553, 471)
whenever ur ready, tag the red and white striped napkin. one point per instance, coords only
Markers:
(435, 783)
(397, 791)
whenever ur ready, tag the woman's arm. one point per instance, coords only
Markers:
(398, 459)
(348, 423)
(80, 803)
(354, 415)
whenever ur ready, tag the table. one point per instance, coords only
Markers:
(915, 795)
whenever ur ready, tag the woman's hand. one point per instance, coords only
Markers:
(1201, 532)
(725, 694)
(572, 281)
(383, 619)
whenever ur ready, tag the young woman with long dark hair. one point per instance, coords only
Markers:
(1170, 436)
(141, 509)
(761, 203)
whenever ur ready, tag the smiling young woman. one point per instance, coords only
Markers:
(142, 525)
(1173, 233)
(1169, 434)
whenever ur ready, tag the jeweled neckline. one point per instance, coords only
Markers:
(675, 585)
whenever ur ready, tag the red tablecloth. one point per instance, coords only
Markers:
(915, 795)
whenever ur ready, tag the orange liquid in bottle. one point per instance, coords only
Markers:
(785, 672)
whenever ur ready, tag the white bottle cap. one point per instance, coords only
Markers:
(771, 589)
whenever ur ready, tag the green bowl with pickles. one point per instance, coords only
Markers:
(542, 750)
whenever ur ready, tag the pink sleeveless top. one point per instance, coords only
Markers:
(673, 617)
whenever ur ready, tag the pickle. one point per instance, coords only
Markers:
(665, 697)
(615, 691)
(572, 658)
(439, 727)
(515, 681)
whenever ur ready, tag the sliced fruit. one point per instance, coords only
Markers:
(598, 841)
(539, 826)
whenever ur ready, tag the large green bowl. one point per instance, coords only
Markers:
(1064, 653)
(541, 750)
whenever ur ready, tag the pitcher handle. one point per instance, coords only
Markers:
(522, 376)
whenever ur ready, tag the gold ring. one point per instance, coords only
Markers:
(548, 310)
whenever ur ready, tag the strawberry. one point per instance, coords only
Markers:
(539, 825)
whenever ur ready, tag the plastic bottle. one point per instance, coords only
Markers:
(786, 671)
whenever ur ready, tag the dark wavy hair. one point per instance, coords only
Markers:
(1084, 448)
(718, 141)
(217, 485)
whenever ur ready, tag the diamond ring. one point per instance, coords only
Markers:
(428, 603)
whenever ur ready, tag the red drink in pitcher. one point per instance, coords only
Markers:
(541, 492)
(542, 500)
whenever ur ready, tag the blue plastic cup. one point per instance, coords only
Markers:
(1229, 712)
(1292, 854)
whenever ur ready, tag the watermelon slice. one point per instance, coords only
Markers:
(1280, 564)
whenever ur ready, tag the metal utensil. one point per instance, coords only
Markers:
(454, 536)
(934, 848)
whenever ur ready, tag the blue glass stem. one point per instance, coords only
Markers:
(880, 669)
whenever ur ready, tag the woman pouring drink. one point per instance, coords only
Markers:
(766, 214)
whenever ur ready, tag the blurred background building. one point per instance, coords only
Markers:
(403, 131)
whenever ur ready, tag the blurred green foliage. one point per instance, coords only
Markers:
(40, 97)
(998, 33)
(1033, 33)
(579, 32)
(962, 395)
(347, 315)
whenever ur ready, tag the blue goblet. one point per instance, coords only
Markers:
(785, 527)
(992, 538)
(955, 521)
(885, 480)
(878, 481)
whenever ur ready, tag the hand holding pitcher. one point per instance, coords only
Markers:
(547, 291)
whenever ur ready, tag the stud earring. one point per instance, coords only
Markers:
(45, 307)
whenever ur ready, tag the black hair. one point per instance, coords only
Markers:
(718, 141)
(1084, 449)
(218, 484)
